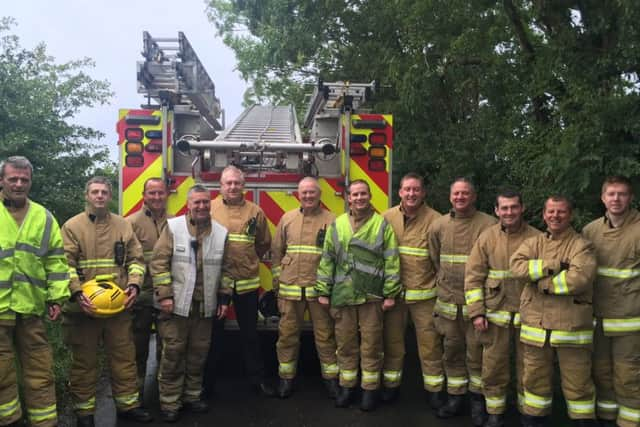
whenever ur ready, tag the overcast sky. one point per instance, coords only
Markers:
(110, 32)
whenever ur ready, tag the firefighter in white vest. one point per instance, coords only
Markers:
(186, 270)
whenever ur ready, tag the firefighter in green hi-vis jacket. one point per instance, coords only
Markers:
(34, 281)
(359, 275)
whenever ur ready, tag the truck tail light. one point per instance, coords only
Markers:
(134, 148)
(378, 152)
(377, 138)
(358, 138)
(153, 134)
(133, 134)
(134, 161)
(154, 146)
(357, 150)
(377, 165)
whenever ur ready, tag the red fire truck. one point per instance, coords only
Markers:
(177, 135)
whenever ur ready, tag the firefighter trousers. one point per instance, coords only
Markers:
(143, 321)
(288, 345)
(83, 335)
(428, 341)
(499, 343)
(616, 373)
(26, 339)
(462, 354)
(362, 350)
(575, 374)
(185, 344)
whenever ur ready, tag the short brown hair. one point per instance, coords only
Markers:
(558, 198)
(617, 179)
(412, 175)
(359, 181)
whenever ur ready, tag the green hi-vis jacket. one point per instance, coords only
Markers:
(359, 266)
(33, 268)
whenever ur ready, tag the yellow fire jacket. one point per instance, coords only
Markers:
(89, 244)
(558, 298)
(451, 238)
(296, 252)
(489, 288)
(248, 240)
(617, 289)
(417, 273)
(147, 230)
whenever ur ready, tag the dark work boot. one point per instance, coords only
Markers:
(369, 400)
(584, 423)
(85, 421)
(478, 409)
(435, 400)
(345, 396)
(285, 388)
(389, 394)
(332, 387)
(531, 421)
(495, 420)
(139, 415)
(197, 406)
(453, 407)
(606, 423)
(264, 389)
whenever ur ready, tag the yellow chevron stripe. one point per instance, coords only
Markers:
(334, 203)
(133, 193)
(265, 277)
(287, 202)
(379, 198)
(178, 199)
(272, 226)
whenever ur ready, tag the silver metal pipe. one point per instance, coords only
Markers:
(256, 147)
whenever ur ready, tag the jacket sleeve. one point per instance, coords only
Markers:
(263, 235)
(327, 266)
(160, 265)
(392, 285)
(56, 267)
(434, 247)
(72, 253)
(578, 278)
(526, 264)
(135, 259)
(475, 275)
(278, 249)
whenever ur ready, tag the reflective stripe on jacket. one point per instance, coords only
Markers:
(451, 238)
(182, 279)
(296, 251)
(616, 298)
(558, 300)
(488, 283)
(361, 265)
(417, 273)
(33, 268)
(246, 243)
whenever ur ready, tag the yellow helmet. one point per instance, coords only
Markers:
(105, 295)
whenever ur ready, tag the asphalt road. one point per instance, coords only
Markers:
(234, 403)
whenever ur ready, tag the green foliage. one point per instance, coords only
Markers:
(537, 95)
(38, 102)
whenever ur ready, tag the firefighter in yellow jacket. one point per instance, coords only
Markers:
(98, 243)
(410, 221)
(616, 303)
(295, 255)
(33, 282)
(557, 316)
(493, 301)
(147, 224)
(248, 240)
(359, 276)
(186, 267)
(451, 238)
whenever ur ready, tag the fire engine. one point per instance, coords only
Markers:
(178, 135)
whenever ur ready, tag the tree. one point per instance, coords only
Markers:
(538, 95)
(38, 100)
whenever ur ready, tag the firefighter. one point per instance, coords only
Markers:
(493, 301)
(248, 240)
(359, 276)
(191, 243)
(410, 221)
(34, 281)
(295, 255)
(99, 243)
(147, 224)
(616, 303)
(557, 316)
(451, 238)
